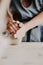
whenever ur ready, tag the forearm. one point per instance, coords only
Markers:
(38, 20)
(4, 6)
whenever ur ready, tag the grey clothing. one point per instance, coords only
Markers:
(28, 13)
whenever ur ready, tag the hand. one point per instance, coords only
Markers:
(20, 33)
(12, 26)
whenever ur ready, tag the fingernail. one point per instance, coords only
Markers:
(20, 24)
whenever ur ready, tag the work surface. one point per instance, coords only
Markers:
(23, 54)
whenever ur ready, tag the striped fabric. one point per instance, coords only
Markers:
(28, 13)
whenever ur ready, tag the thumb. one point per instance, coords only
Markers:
(21, 24)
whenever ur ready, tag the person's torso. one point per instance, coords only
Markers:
(29, 12)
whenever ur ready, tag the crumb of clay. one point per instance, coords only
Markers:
(13, 44)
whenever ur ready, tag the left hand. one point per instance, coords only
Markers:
(20, 33)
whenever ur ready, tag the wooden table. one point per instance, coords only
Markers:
(23, 54)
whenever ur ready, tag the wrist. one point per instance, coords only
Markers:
(25, 28)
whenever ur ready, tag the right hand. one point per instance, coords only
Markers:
(12, 26)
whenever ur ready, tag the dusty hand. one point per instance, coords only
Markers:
(20, 33)
(12, 26)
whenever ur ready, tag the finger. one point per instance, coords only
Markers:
(10, 27)
(21, 24)
(14, 25)
(11, 30)
(17, 22)
(9, 20)
(17, 26)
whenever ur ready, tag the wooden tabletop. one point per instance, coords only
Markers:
(23, 54)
